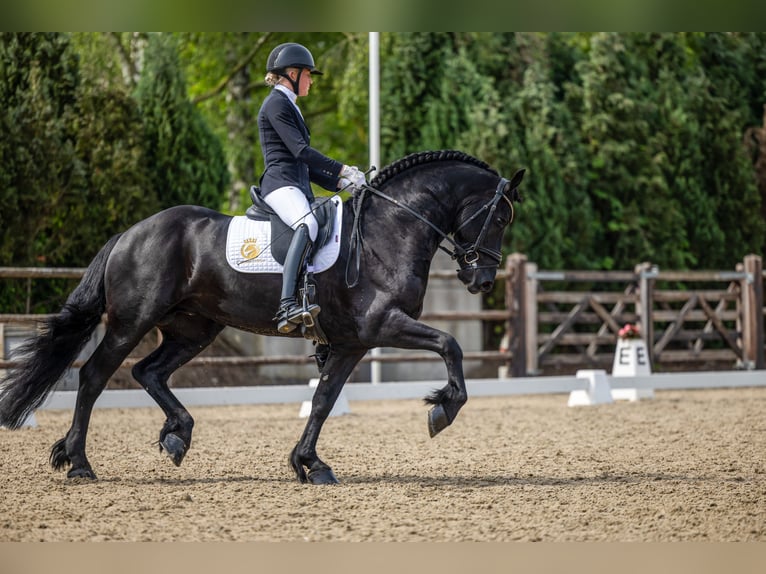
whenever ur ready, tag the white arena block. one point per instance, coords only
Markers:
(632, 394)
(597, 393)
(340, 408)
(631, 358)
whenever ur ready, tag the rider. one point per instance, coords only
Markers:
(291, 164)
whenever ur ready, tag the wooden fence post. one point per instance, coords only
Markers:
(646, 276)
(752, 313)
(516, 264)
(530, 317)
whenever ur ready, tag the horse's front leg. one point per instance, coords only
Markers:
(402, 331)
(304, 456)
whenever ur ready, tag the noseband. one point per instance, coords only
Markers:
(467, 257)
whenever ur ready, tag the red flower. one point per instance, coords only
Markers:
(629, 331)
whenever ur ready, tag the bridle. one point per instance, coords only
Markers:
(470, 255)
(466, 256)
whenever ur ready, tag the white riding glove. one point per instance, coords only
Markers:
(351, 176)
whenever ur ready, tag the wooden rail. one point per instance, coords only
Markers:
(553, 325)
(500, 356)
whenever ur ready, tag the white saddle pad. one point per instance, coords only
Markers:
(248, 248)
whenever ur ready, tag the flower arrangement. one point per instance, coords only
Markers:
(629, 331)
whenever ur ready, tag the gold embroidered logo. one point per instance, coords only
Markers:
(250, 249)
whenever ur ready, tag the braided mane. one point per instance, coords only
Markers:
(424, 157)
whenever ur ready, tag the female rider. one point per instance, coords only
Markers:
(291, 164)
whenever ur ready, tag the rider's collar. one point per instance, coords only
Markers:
(292, 96)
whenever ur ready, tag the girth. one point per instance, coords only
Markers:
(323, 209)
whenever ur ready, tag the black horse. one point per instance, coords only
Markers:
(168, 271)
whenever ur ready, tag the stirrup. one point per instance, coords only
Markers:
(309, 315)
(290, 318)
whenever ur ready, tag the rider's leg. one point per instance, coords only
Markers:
(293, 208)
(291, 313)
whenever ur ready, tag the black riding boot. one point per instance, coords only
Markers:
(291, 313)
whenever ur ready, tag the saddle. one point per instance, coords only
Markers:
(281, 234)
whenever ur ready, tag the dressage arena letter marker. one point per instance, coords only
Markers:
(631, 358)
(339, 408)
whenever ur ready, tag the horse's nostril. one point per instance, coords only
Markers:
(486, 287)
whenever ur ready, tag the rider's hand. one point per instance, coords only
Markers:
(351, 176)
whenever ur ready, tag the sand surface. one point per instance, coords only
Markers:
(685, 466)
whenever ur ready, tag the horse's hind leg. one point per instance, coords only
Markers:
(93, 378)
(183, 338)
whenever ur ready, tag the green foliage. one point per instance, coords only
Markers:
(337, 109)
(412, 70)
(666, 160)
(632, 142)
(118, 183)
(556, 201)
(39, 167)
(185, 159)
(225, 82)
(38, 85)
(637, 146)
(78, 160)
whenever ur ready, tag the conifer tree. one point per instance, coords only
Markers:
(38, 91)
(185, 159)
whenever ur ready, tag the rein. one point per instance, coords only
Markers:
(470, 255)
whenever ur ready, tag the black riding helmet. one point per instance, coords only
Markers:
(291, 55)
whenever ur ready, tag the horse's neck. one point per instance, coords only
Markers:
(393, 232)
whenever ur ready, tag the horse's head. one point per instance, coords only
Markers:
(481, 224)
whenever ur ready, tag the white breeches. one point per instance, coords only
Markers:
(292, 207)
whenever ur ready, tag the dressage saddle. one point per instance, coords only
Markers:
(324, 210)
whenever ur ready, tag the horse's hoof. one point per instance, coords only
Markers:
(437, 420)
(174, 447)
(81, 473)
(322, 476)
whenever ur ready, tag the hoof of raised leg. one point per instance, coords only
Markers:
(174, 447)
(437, 420)
(322, 476)
(81, 473)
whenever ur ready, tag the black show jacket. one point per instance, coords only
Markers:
(288, 156)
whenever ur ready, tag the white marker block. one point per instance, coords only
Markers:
(597, 393)
(339, 408)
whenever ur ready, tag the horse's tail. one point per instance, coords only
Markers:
(45, 357)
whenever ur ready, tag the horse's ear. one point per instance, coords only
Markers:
(516, 179)
(511, 188)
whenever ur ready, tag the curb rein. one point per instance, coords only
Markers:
(470, 255)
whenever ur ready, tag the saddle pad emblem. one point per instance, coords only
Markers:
(248, 246)
(250, 249)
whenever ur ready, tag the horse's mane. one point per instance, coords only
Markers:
(424, 157)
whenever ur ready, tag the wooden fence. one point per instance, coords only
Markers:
(561, 320)
(29, 319)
